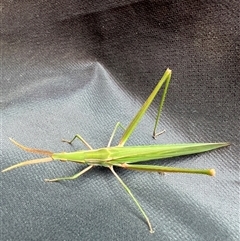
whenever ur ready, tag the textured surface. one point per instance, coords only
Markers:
(79, 67)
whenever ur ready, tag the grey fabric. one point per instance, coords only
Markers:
(73, 67)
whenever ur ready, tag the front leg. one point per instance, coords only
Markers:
(71, 177)
(81, 139)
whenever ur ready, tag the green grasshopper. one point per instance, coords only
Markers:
(126, 157)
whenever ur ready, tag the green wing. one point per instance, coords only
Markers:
(120, 155)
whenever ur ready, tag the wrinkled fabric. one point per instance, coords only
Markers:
(79, 67)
